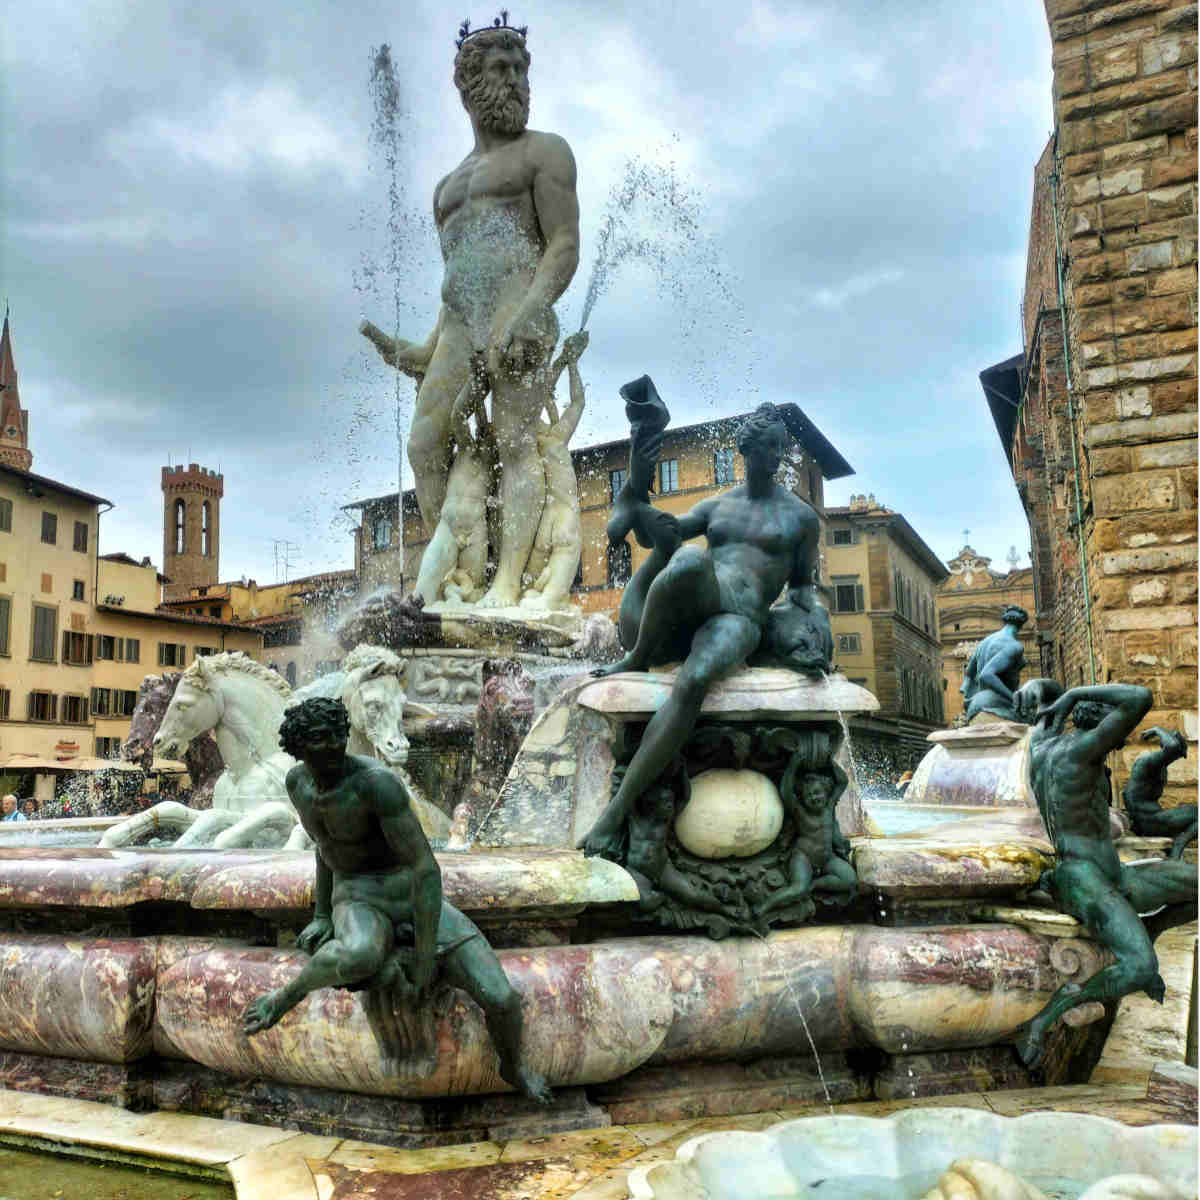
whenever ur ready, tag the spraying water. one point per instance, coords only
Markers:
(385, 135)
(654, 219)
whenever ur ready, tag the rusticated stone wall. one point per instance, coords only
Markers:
(1121, 175)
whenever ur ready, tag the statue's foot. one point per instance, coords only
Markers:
(530, 1083)
(499, 597)
(1156, 989)
(603, 840)
(1029, 1042)
(627, 663)
(263, 1012)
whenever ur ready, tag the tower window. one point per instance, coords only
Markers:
(206, 529)
(180, 510)
(383, 533)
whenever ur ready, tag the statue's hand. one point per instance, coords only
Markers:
(521, 345)
(1157, 734)
(1056, 713)
(315, 934)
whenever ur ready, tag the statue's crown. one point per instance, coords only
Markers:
(465, 32)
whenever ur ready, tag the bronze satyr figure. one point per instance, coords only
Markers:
(1147, 778)
(710, 605)
(380, 917)
(1089, 881)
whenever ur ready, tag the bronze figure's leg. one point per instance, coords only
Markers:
(475, 968)
(1086, 892)
(721, 643)
(362, 939)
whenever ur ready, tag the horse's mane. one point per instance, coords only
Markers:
(364, 655)
(235, 661)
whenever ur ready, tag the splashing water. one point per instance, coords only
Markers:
(858, 814)
(655, 219)
(385, 135)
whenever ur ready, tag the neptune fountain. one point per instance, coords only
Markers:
(669, 902)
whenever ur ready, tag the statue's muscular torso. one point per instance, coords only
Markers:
(1075, 794)
(753, 545)
(491, 238)
(345, 824)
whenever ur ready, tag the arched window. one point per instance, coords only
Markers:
(180, 510)
(290, 674)
(206, 529)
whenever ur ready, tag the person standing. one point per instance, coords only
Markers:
(11, 811)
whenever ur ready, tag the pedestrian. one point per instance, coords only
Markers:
(29, 808)
(11, 811)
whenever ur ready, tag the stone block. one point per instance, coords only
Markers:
(1154, 590)
(1094, 354)
(1163, 558)
(1114, 461)
(1183, 588)
(1169, 201)
(1151, 618)
(1088, 294)
(1128, 289)
(1187, 487)
(1177, 341)
(1149, 650)
(1133, 402)
(1164, 454)
(1127, 152)
(1137, 348)
(1105, 129)
(1156, 256)
(1112, 593)
(1170, 50)
(1179, 687)
(1183, 646)
(1099, 377)
(1178, 279)
(1157, 368)
(1122, 211)
(1124, 181)
(1178, 168)
(1173, 396)
(1163, 313)
(1121, 494)
(1094, 323)
(1174, 1083)
(1168, 115)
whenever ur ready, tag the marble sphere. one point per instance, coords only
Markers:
(731, 814)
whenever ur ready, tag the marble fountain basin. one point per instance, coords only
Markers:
(1064, 1156)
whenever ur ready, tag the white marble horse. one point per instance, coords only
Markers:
(370, 685)
(243, 702)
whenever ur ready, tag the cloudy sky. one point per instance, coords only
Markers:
(833, 198)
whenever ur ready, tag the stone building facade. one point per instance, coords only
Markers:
(970, 602)
(696, 462)
(1098, 414)
(882, 587)
(191, 528)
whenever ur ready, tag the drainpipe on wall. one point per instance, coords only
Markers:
(1062, 313)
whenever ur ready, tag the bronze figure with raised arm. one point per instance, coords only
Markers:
(708, 604)
(1089, 881)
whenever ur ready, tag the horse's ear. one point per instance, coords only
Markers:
(201, 670)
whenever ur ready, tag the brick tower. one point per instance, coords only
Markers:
(14, 420)
(191, 528)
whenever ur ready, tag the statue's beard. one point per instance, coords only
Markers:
(499, 108)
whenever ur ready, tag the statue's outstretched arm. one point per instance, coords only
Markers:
(1128, 703)
(557, 206)
(411, 358)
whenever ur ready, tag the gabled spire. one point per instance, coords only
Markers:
(14, 420)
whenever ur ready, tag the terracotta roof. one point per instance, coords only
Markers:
(178, 618)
